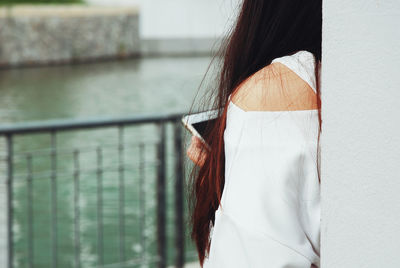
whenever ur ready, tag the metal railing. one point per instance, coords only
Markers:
(54, 128)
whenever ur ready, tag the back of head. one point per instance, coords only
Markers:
(268, 29)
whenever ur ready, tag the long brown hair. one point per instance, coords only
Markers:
(264, 30)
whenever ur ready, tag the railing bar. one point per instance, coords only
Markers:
(74, 124)
(30, 211)
(47, 152)
(62, 151)
(100, 206)
(142, 199)
(54, 198)
(121, 193)
(77, 211)
(161, 201)
(179, 226)
(43, 175)
(10, 212)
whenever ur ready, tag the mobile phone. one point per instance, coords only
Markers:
(196, 123)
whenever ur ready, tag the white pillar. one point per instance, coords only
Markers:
(361, 134)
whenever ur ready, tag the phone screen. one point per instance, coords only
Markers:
(201, 126)
(198, 122)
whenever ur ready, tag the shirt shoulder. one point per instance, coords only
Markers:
(285, 84)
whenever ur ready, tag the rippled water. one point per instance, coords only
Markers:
(109, 88)
(80, 91)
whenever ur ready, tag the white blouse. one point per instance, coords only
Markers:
(270, 214)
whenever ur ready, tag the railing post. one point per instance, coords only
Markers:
(179, 211)
(161, 201)
(10, 214)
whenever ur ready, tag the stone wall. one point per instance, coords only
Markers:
(32, 35)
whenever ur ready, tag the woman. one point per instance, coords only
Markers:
(255, 195)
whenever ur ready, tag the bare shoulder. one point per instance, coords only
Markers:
(274, 88)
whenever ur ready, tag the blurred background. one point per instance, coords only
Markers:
(92, 161)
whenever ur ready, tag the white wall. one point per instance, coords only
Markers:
(180, 18)
(361, 134)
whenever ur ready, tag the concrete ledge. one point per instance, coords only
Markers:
(65, 11)
(32, 35)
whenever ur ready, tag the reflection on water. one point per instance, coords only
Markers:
(79, 91)
(109, 88)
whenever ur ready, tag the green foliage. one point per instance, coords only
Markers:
(11, 2)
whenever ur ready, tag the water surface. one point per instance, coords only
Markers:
(111, 89)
